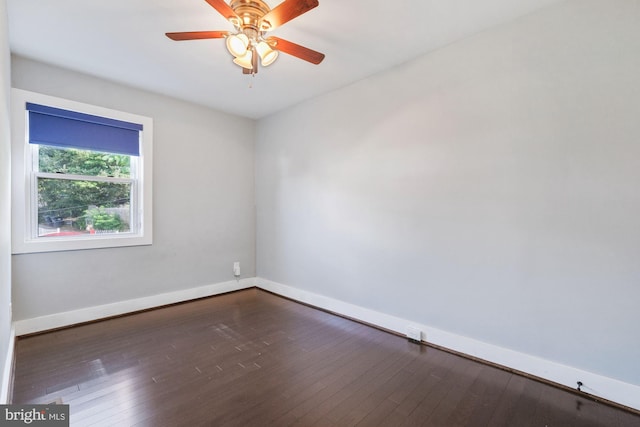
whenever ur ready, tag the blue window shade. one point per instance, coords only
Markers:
(70, 129)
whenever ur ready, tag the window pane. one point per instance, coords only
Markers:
(72, 207)
(83, 162)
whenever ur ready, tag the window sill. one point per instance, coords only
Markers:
(52, 244)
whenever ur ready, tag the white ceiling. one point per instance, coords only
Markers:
(124, 41)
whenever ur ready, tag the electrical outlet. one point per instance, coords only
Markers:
(236, 268)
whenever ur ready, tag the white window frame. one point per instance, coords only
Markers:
(24, 175)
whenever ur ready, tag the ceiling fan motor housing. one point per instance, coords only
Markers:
(250, 13)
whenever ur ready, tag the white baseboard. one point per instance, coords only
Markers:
(597, 385)
(6, 370)
(58, 320)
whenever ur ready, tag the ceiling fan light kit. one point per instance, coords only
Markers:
(252, 19)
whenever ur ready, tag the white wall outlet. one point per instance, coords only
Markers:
(414, 333)
(236, 268)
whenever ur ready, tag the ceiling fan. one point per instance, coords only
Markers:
(252, 20)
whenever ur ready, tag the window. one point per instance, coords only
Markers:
(81, 175)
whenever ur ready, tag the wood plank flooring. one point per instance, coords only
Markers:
(251, 358)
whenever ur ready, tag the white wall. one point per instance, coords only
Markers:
(489, 189)
(5, 203)
(203, 204)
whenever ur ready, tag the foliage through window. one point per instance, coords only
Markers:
(83, 192)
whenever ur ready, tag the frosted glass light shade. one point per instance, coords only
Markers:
(267, 55)
(245, 61)
(237, 44)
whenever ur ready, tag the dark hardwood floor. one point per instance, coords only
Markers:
(253, 358)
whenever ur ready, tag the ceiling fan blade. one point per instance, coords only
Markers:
(223, 9)
(197, 35)
(295, 50)
(285, 12)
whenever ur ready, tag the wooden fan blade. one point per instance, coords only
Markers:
(223, 9)
(197, 35)
(285, 12)
(295, 50)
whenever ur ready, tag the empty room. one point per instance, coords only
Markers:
(372, 213)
